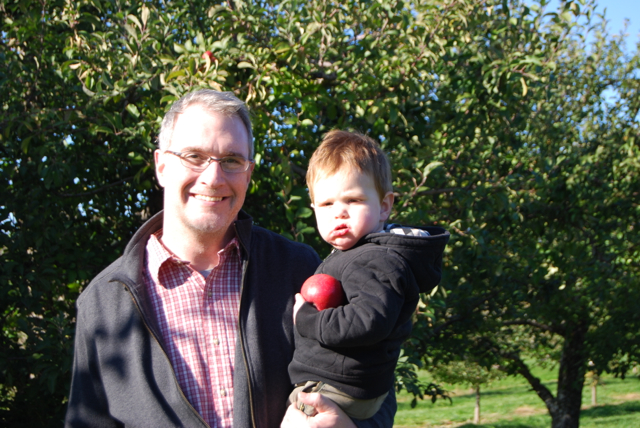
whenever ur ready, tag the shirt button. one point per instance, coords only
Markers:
(216, 342)
(223, 392)
(209, 293)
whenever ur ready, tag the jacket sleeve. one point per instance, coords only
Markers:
(87, 405)
(384, 417)
(375, 289)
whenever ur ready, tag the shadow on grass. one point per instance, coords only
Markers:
(404, 402)
(492, 393)
(498, 392)
(611, 410)
(600, 412)
(505, 424)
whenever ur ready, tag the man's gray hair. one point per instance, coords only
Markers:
(225, 103)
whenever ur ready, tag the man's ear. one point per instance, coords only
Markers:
(159, 167)
(385, 206)
(251, 168)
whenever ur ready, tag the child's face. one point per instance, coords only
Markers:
(347, 207)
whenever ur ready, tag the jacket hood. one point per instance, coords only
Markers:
(424, 253)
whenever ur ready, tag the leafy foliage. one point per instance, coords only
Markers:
(466, 373)
(407, 379)
(494, 113)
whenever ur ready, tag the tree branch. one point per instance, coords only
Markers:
(543, 392)
(536, 324)
(437, 330)
(477, 302)
(298, 169)
(439, 191)
(94, 191)
(195, 17)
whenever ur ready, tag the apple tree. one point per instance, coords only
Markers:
(470, 373)
(539, 185)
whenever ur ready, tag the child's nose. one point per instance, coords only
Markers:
(341, 211)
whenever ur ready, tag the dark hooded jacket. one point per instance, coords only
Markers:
(355, 347)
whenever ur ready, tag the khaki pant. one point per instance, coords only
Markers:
(353, 407)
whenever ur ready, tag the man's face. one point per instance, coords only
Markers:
(207, 202)
(348, 207)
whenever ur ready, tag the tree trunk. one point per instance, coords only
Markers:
(595, 380)
(566, 412)
(476, 411)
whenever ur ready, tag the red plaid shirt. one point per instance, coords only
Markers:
(198, 319)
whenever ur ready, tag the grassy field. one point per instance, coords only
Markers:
(510, 403)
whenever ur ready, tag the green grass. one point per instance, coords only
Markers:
(510, 403)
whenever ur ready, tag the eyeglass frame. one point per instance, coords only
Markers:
(210, 159)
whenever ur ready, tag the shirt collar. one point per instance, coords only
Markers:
(158, 254)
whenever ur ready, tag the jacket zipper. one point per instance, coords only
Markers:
(175, 378)
(241, 337)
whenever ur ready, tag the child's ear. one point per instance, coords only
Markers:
(385, 206)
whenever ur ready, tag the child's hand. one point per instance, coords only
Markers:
(299, 302)
(329, 414)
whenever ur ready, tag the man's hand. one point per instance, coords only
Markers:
(296, 307)
(329, 414)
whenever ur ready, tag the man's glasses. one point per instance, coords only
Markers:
(199, 162)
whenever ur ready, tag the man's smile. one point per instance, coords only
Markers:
(207, 198)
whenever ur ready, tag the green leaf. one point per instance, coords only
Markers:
(131, 108)
(304, 212)
(430, 167)
(175, 74)
(307, 230)
(135, 20)
(145, 15)
(106, 80)
(87, 91)
(101, 129)
(24, 144)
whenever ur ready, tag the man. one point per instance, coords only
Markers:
(192, 326)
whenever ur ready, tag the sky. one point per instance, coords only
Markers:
(617, 11)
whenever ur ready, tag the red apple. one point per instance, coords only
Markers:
(324, 291)
(210, 55)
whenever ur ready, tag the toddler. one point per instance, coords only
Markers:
(349, 353)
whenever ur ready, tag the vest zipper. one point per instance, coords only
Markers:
(241, 337)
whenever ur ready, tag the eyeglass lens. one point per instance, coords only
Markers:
(200, 162)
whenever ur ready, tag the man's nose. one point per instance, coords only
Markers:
(212, 174)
